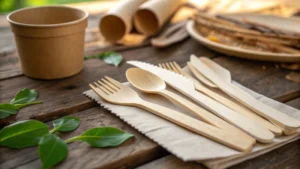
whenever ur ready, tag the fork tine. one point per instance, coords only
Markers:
(174, 69)
(160, 65)
(179, 69)
(98, 91)
(168, 66)
(109, 84)
(114, 82)
(165, 66)
(106, 87)
(102, 88)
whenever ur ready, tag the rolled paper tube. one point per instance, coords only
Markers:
(152, 15)
(117, 22)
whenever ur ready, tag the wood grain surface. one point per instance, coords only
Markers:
(64, 96)
(279, 158)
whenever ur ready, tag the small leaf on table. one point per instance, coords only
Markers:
(52, 150)
(67, 123)
(7, 110)
(25, 96)
(23, 134)
(103, 137)
(112, 58)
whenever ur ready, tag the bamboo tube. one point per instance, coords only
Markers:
(117, 22)
(153, 14)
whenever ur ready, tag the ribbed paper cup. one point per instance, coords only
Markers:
(50, 40)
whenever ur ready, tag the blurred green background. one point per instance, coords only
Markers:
(10, 5)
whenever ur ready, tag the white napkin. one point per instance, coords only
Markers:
(187, 145)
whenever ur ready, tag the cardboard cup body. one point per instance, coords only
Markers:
(50, 40)
(153, 14)
(117, 22)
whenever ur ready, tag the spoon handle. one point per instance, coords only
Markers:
(203, 114)
(224, 137)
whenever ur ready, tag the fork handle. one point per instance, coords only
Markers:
(221, 136)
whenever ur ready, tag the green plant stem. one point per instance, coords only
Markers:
(27, 104)
(53, 130)
(71, 139)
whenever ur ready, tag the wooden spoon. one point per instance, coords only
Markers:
(149, 83)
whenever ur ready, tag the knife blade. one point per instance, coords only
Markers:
(186, 87)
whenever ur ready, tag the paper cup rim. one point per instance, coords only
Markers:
(47, 25)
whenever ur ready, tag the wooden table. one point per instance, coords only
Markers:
(64, 97)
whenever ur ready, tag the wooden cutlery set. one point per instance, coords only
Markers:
(234, 118)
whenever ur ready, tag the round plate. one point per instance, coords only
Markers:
(240, 52)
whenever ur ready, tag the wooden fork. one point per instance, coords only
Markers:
(173, 66)
(115, 92)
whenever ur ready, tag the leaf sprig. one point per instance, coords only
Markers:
(22, 99)
(112, 58)
(51, 148)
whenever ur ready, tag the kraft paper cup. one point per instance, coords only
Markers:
(153, 14)
(117, 22)
(50, 40)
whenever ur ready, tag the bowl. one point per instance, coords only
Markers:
(49, 40)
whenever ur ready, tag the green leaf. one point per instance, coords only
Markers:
(67, 123)
(4, 115)
(112, 58)
(23, 134)
(25, 96)
(7, 110)
(103, 137)
(52, 150)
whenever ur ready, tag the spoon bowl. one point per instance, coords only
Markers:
(144, 80)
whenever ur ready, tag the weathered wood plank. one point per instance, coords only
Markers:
(171, 162)
(295, 103)
(64, 96)
(130, 154)
(283, 157)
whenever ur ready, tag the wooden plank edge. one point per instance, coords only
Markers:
(275, 159)
(54, 114)
(288, 97)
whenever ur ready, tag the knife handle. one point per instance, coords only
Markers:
(259, 132)
(238, 108)
(281, 119)
(221, 136)
(203, 114)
